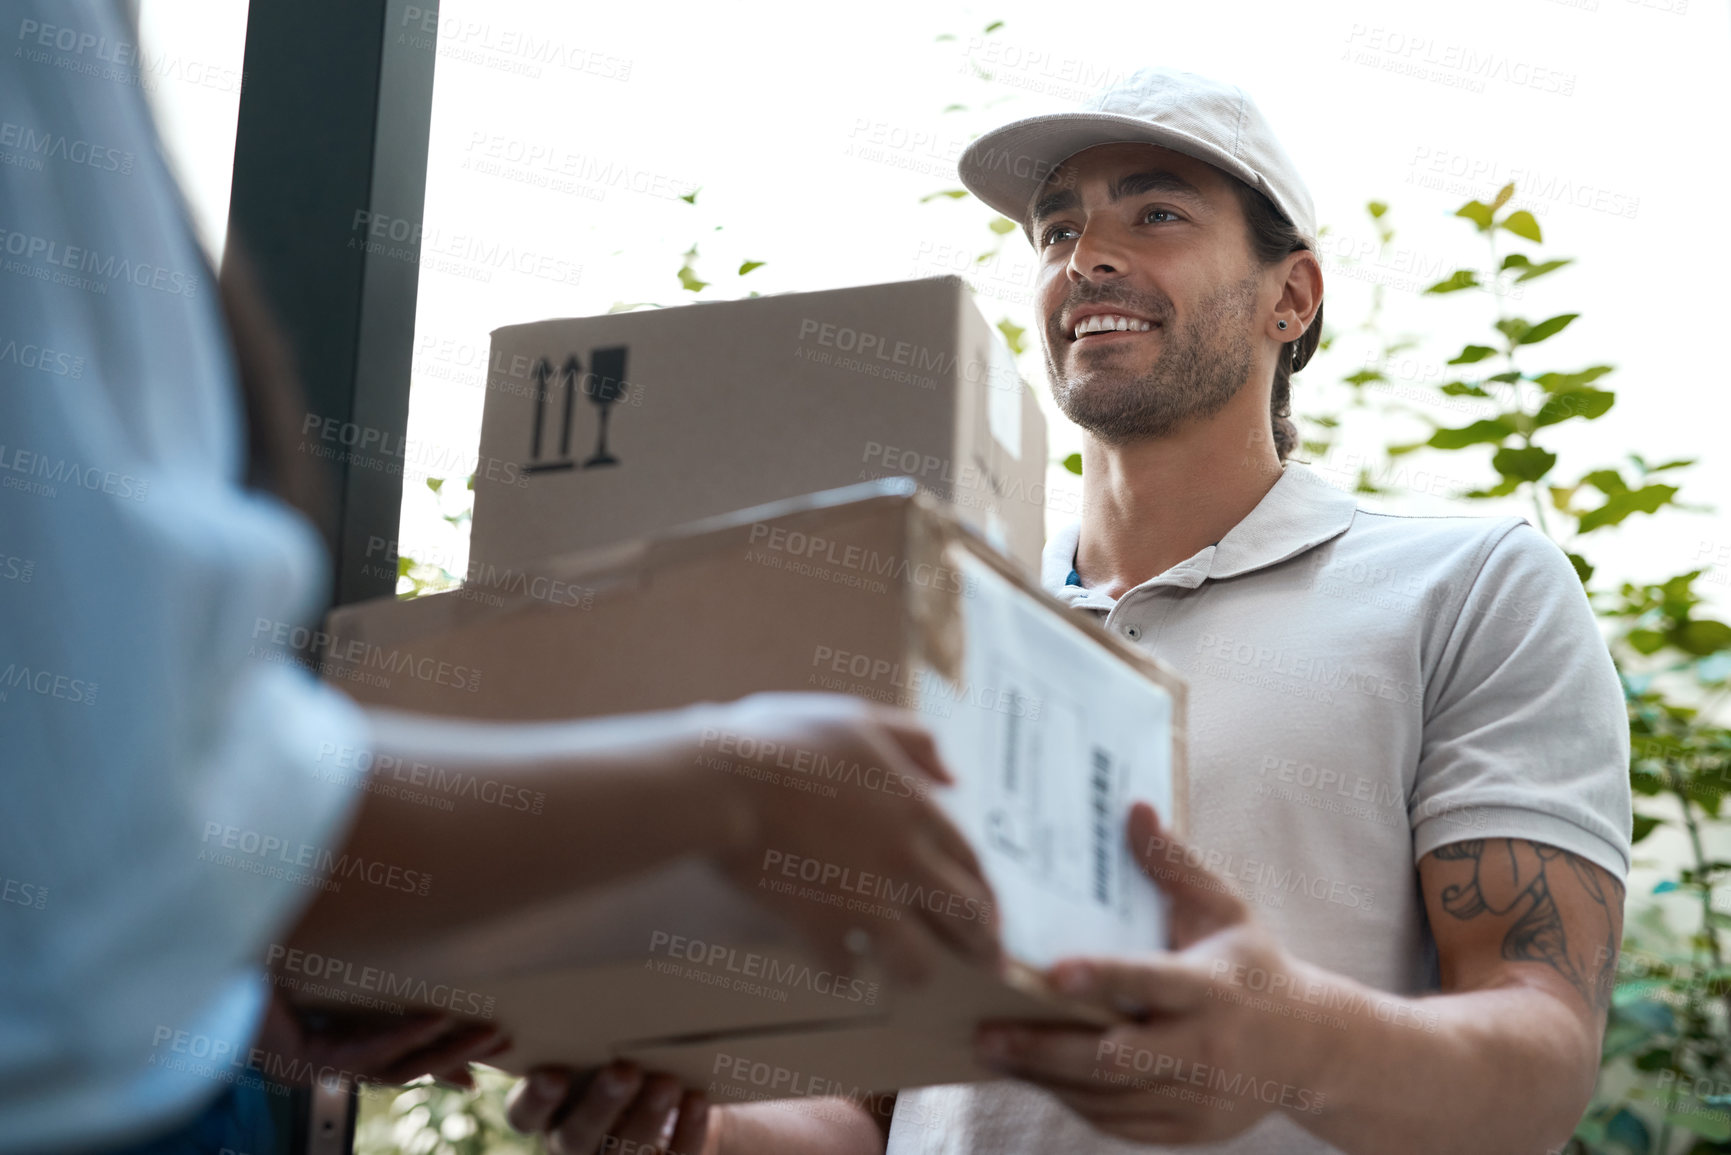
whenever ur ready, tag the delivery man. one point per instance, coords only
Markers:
(1397, 909)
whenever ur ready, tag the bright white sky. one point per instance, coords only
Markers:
(814, 130)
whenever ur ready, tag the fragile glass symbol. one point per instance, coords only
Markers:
(607, 372)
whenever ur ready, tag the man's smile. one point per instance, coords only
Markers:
(1096, 324)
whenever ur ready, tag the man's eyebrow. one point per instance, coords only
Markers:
(1129, 185)
(1154, 180)
(1054, 203)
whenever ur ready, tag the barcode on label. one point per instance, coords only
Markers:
(1101, 793)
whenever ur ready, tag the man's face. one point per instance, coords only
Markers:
(1159, 238)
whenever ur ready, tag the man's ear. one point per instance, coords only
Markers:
(1301, 292)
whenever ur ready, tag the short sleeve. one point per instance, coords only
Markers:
(1526, 733)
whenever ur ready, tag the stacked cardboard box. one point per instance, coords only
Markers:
(1051, 725)
(605, 429)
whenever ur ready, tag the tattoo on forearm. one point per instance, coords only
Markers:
(1525, 879)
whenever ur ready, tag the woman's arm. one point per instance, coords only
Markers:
(626, 793)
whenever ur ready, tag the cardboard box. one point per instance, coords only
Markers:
(1050, 724)
(604, 429)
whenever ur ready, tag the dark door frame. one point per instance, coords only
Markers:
(330, 180)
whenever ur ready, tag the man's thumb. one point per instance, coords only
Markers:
(1177, 869)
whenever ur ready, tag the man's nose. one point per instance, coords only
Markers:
(1099, 254)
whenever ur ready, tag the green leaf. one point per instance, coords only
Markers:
(1583, 568)
(1704, 637)
(1657, 1058)
(1002, 226)
(1522, 224)
(1627, 1129)
(433, 483)
(691, 281)
(1491, 431)
(1606, 481)
(1563, 382)
(1645, 826)
(1529, 271)
(1473, 353)
(690, 198)
(1463, 389)
(994, 26)
(1647, 499)
(1364, 377)
(1512, 328)
(1366, 483)
(1680, 463)
(405, 563)
(1013, 334)
(747, 266)
(1711, 1125)
(1588, 404)
(1462, 279)
(1547, 328)
(1376, 209)
(1478, 213)
(1074, 463)
(1527, 464)
(1656, 1017)
(1645, 641)
(954, 194)
(1541, 270)
(1503, 195)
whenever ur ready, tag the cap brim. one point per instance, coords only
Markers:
(1006, 167)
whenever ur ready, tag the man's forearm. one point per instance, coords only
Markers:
(1502, 1070)
(797, 1127)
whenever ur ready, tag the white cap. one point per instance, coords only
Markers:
(1213, 122)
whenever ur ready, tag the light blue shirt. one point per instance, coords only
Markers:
(148, 732)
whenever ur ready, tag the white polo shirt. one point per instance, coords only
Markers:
(1364, 688)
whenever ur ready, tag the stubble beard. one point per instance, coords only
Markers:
(1202, 367)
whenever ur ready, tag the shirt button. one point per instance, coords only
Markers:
(1133, 632)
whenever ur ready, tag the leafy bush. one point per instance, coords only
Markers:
(1665, 1079)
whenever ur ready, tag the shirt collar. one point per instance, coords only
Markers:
(1300, 512)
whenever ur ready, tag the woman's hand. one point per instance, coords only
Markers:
(617, 1108)
(421, 1044)
(843, 837)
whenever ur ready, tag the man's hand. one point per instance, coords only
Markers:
(1199, 1063)
(1500, 1060)
(616, 1106)
(424, 1044)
